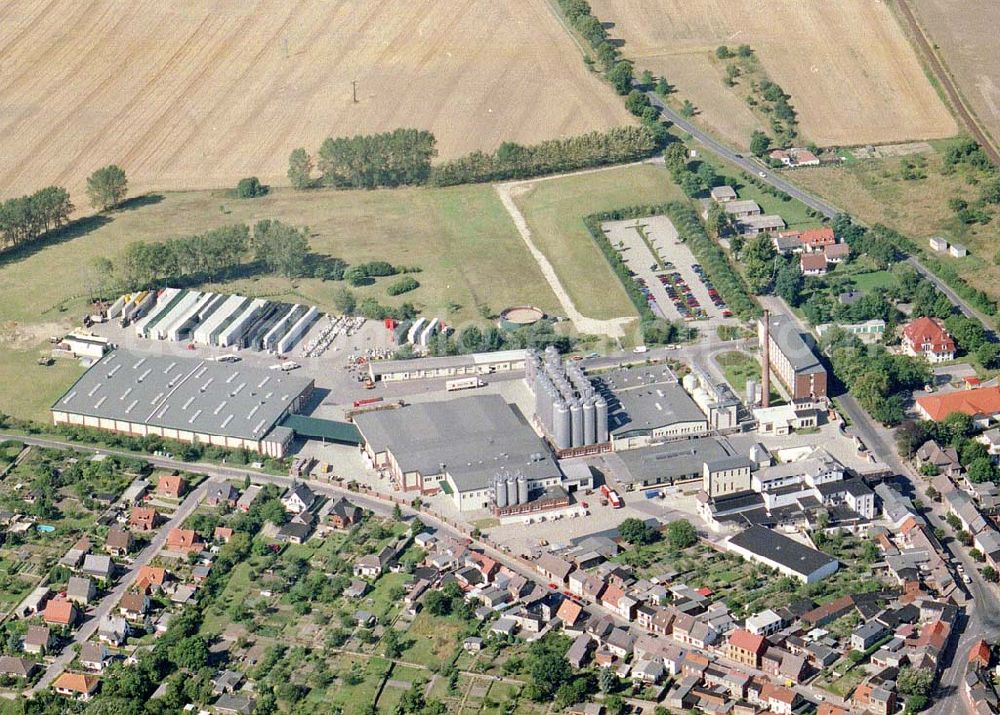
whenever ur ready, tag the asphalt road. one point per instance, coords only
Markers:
(751, 166)
(110, 601)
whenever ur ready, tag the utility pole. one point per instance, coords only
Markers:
(354, 88)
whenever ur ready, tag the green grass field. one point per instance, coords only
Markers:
(554, 210)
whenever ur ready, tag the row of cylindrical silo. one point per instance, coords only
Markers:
(510, 490)
(566, 404)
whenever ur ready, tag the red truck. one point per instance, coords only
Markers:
(612, 496)
(367, 401)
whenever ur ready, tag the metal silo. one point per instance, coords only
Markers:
(522, 490)
(589, 422)
(499, 492)
(562, 430)
(511, 486)
(576, 420)
(601, 418)
(751, 392)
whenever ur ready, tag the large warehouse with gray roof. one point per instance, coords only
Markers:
(186, 399)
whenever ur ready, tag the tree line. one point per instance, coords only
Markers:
(403, 157)
(216, 254)
(29, 218)
(514, 161)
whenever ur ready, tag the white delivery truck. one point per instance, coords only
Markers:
(463, 383)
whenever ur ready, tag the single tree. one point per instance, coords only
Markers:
(107, 187)
(759, 143)
(300, 167)
(681, 534)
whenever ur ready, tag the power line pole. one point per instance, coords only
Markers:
(354, 88)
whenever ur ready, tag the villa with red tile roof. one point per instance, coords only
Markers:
(981, 403)
(980, 654)
(927, 338)
(143, 518)
(59, 613)
(76, 685)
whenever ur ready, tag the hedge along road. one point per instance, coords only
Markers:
(613, 328)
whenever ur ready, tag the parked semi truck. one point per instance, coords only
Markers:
(463, 383)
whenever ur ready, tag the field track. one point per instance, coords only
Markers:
(943, 76)
(197, 95)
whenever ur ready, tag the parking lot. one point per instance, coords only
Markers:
(666, 270)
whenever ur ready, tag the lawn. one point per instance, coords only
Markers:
(738, 367)
(875, 191)
(433, 639)
(873, 280)
(554, 210)
(18, 369)
(471, 259)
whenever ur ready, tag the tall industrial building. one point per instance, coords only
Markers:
(567, 407)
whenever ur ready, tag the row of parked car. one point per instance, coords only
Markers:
(712, 292)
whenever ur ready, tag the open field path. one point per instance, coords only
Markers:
(614, 328)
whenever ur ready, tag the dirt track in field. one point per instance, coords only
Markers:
(189, 97)
(851, 73)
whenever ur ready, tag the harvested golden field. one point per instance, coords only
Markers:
(848, 67)
(197, 95)
(966, 37)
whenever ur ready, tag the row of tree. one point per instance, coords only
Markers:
(513, 161)
(28, 218)
(216, 254)
(366, 161)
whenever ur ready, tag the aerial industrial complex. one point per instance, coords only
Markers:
(186, 399)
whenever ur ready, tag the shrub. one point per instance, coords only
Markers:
(250, 188)
(403, 285)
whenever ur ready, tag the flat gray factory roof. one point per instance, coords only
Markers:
(470, 438)
(184, 393)
(673, 460)
(642, 406)
(791, 343)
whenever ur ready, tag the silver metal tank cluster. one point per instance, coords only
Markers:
(509, 488)
(566, 404)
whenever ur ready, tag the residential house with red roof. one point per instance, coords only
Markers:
(745, 648)
(59, 612)
(982, 404)
(183, 540)
(816, 239)
(171, 485)
(76, 685)
(927, 338)
(142, 518)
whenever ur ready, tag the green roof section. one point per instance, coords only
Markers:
(328, 430)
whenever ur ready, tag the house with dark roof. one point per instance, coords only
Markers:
(17, 667)
(298, 498)
(343, 514)
(118, 541)
(37, 640)
(80, 590)
(223, 493)
(789, 557)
